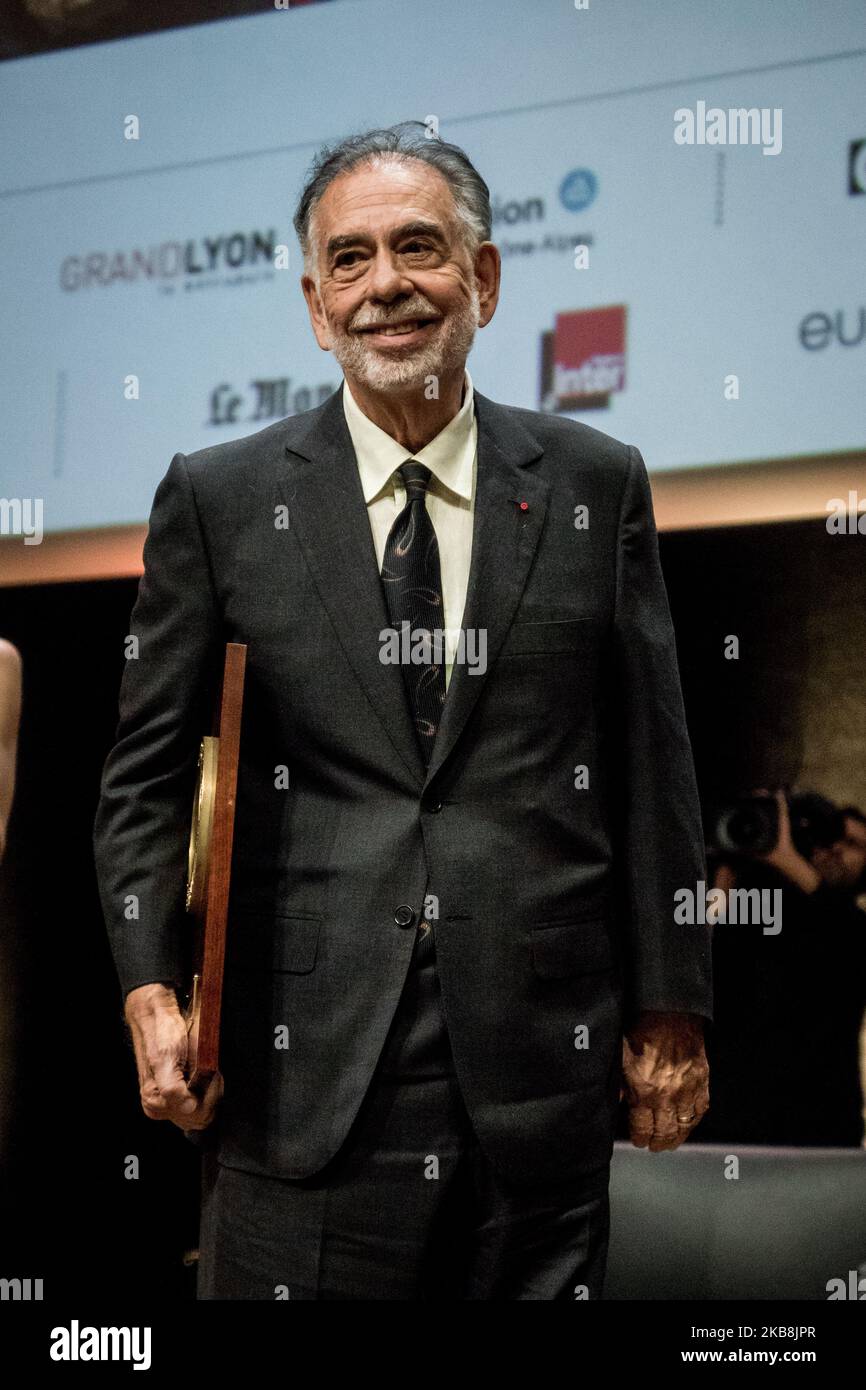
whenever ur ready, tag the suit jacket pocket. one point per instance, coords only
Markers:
(560, 949)
(553, 635)
(269, 941)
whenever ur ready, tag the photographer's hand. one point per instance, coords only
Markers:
(785, 856)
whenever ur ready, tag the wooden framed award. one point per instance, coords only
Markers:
(209, 871)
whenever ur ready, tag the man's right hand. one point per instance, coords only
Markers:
(159, 1038)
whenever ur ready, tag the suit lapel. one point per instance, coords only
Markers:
(504, 541)
(323, 493)
(326, 507)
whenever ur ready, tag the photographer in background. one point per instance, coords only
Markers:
(789, 1007)
(819, 848)
(842, 865)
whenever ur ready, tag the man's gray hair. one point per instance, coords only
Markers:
(408, 140)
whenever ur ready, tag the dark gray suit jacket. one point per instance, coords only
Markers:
(555, 904)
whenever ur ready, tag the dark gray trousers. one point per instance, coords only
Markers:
(409, 1209)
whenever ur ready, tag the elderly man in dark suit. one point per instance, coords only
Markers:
(466, 794)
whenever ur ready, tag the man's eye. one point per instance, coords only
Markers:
(345, 257)
(416, 246)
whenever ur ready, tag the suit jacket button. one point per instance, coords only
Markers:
(404, 916)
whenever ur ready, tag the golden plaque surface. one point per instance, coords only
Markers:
(201, 828)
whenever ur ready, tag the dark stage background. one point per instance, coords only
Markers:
(792, 709)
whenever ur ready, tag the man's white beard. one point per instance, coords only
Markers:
(446, 353)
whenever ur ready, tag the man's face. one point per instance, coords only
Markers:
(399, 297)
(843, 864)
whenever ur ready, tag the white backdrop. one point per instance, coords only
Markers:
(717, 254)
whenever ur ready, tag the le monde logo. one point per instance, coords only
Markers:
(268, 398)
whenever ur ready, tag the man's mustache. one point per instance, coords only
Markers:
(406, 311)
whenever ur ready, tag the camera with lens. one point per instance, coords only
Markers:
(750, 825)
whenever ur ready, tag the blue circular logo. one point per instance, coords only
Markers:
(578, 190)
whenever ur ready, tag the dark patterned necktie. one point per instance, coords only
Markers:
(412, 581)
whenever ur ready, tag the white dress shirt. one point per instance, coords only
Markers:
(452, 460)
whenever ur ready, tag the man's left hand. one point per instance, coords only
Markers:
(665, 1078)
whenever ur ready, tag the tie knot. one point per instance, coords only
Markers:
(415, 476)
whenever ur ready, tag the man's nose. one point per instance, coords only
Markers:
(387, 281)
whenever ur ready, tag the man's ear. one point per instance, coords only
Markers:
(488, 271)
(316, 312)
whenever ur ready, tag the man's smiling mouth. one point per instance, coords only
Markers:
(397, 330)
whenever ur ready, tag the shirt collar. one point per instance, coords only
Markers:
(449, 456)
